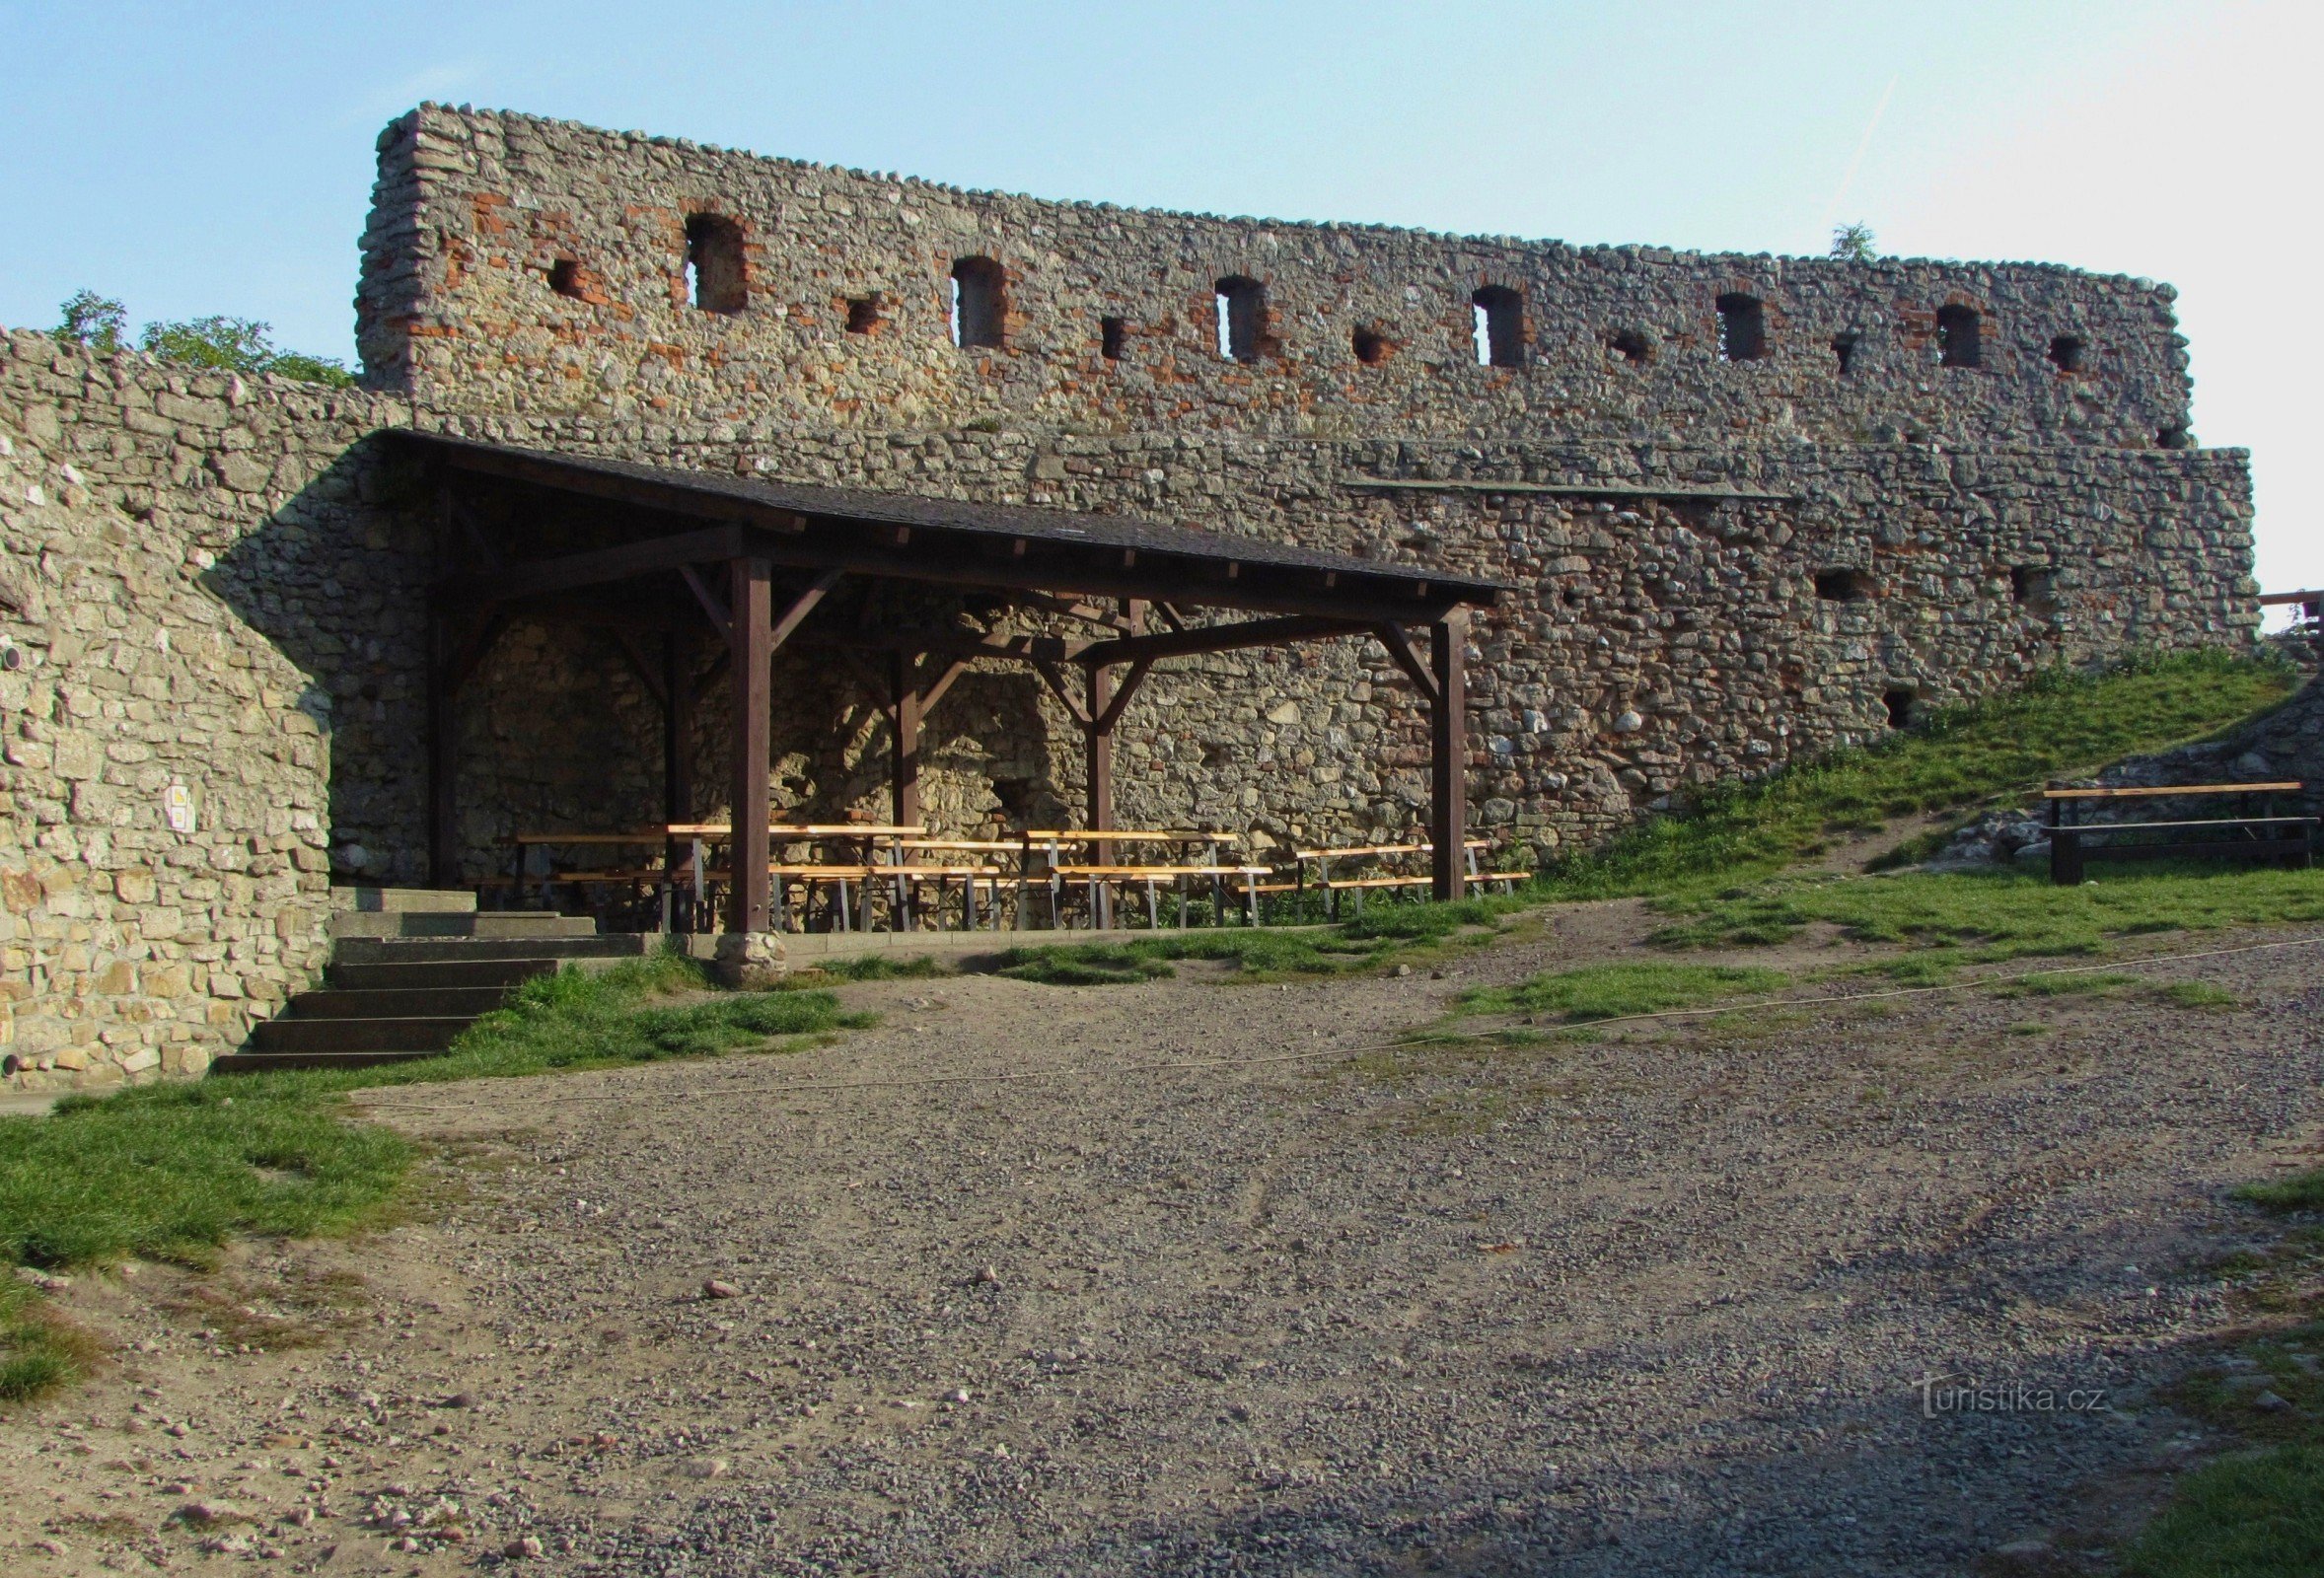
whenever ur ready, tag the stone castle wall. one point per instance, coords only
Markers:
(514, 264)
(193, 601)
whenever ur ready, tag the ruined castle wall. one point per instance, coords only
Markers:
(480, 219)
(202, 601)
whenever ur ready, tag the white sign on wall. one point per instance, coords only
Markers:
(178, 806)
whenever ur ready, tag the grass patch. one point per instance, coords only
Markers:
(1612, 992)
(2255, 1516)
(2303, 1192)
(1382, 935)
(1987, 917)
(2062, 723)
(171, 1172)
(866, 966)
(38, 1352)
(2197, 994)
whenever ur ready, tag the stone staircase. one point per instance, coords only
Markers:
(410, 970)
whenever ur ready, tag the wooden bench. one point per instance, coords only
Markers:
(1333, 887)
(1097, 877)
(2259, 836)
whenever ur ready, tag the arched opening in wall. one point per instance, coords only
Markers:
(717, 278)
(2174, 437)
(2066, 353)
(1631, 345)
(1113, 332)
(1842, 585)
(568, 279)
(863, 313)
(1844, 351)
(1958, 336)
(1899, 699)
(2034, 585)
(1742, 328)
(1371, 346)
(979, 304)
(1496, 316)
(1242, 317)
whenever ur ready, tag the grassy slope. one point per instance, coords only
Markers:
(171, 1172)
(2062, 724)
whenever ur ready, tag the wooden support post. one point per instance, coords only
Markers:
(904, 740)
(1448, 753)
(1099, 734)
(443, 756)
(753, 676)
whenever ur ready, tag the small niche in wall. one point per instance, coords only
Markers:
(1742, 328)
(717, 278)
(1900, 700)
(1497, 327)
(1113, 332)
(2035, 586)
(979, 304)
(1842, 585)
(1960, 336)
(1241, 305)
(1844, 351)
(1631, 345)
(863, 313)
(568, 278)
(2066, 353)
(1371, 346)
(2174, 437)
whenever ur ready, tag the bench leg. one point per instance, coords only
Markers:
(2066, 857)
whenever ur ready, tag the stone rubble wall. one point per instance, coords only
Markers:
(191, 606)
(475, 212)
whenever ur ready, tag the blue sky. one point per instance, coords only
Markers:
(193, 159)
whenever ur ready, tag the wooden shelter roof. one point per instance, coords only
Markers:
(1003, 546)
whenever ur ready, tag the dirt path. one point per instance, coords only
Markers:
(1040, 1280)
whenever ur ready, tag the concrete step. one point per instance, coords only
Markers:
(453, 975)
(399, 1002)
(404, 900)
(291, 1034)
(264, 1062)
(485, 950)
(351, 923)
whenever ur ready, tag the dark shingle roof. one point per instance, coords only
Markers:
(1004, 521)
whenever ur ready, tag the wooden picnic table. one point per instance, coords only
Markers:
(689, 868)
(2251, 836)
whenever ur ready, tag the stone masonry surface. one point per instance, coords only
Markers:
(165, 720)
(215, 597)
(514, 264)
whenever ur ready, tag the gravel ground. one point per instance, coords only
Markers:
(1190, 1277)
